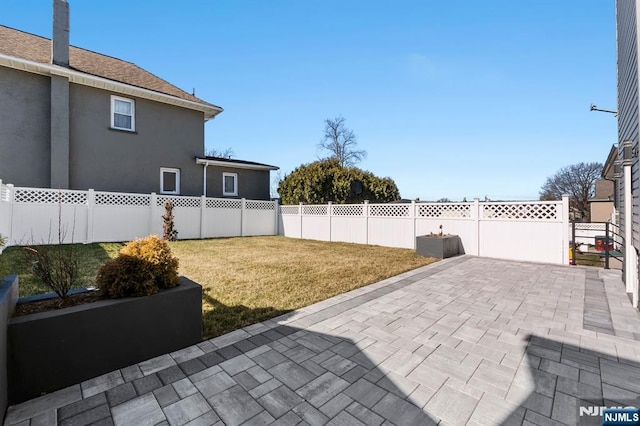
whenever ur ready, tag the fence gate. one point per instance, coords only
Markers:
(597, 244)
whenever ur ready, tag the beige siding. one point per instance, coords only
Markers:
(601, 211)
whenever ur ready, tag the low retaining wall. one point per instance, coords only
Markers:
(52, 350)
(8, 299)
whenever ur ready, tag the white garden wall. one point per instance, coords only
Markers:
(536, 231)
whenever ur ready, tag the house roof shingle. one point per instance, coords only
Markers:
(35, 48)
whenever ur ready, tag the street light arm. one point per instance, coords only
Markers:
(595, 108)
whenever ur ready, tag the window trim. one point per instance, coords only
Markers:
(115, 98)
(235, 184)
(164, 170)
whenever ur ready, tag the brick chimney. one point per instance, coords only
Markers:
(60, 39)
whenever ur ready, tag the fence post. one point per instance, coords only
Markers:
(1, 210)
(203, 213)
(476, 217)
(572, 261)
(606, 245)
(413, 215)
(300, 216)
(242, 214)
(10, 199)
(565, 231)
(152, 210)
(276, 210)
(329, 214)
(1, 220)
(91, 203)
(365, 211)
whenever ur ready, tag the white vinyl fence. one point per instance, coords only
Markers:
(535, 231)
(31, 215)
(531, 231)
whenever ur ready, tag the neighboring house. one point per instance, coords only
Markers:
(601, 205)
(226, 177)
(628, 183)
(73, 118)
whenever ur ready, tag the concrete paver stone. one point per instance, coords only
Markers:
(465, 340)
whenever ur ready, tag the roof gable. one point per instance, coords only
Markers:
(34, 48)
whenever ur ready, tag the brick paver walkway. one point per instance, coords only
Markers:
(463, 341)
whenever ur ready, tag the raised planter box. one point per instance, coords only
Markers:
(440, 247)
(8, 299)
(52, 350)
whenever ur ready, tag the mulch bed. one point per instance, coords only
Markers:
(56, 303)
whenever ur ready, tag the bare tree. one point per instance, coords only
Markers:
(578, 181)
(220, 153)
(276, 178)
(341, 142)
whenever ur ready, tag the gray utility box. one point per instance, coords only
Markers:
(440, 247)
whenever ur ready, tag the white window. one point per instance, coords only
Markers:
(230, 184)
(123, 114)
(169, 180)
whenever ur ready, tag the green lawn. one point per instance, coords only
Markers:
(251, 279)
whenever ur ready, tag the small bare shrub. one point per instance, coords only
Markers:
(56, 266)
(169, 227)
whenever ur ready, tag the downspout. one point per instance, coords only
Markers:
(204, 180)
(629, 266)
(628, 246)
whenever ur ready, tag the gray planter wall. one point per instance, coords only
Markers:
(52, 350)
(8, 298)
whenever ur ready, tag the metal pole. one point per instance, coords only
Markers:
(606, 245)
(573, 243)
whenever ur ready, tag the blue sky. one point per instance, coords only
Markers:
(450, 98)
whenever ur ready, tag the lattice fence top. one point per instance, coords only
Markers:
(290, 209)
(528, 211)
(444, 210)
(389, 210)
(315, 210)
(347, 209)
(122, 199)
(221, 203)
(259, 205)
(594, 226)
(179, 201)
(49, 196)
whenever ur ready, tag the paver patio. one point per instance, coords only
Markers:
(464, 341)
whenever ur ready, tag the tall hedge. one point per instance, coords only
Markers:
(325, 180)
